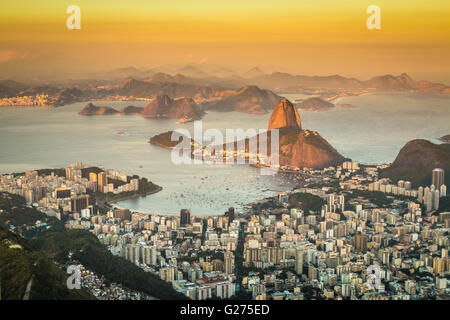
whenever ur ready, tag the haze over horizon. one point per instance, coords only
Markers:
(299, 37)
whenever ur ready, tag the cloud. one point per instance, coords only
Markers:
(8, 55)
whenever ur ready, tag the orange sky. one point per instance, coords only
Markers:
(302, 36)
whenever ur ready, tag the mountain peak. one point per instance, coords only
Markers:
(254, 72)
(284, 115)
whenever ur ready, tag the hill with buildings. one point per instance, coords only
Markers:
(95, 256)
(416, 160)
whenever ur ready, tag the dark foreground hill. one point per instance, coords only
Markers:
(29, 274)
(416, 160)
(47, 241)
(93, 255)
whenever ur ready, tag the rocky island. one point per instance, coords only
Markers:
(131, 110)
(184, 109)
(164, 140)
(90, 110)
(315, 104)
(298, 148)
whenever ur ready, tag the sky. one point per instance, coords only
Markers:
(312, 37)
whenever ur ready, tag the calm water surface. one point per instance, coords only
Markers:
(53, 138)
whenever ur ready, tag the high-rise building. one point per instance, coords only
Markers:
(230, 214)
(102, 181)
(79, 203)
(92, 176)
(62, 193)
(436, 200)
(229, 262)
(330, 199)
(420, 194)
(299, 254)
(149, 255)
(185, 217)
(437, 177)
(443, 191)
(360, 242)
(123, 214)
(428, 199)
(167, 274)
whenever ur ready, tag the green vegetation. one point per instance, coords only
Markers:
(93, 255)
(306, 201)
(378, 198)
(60, 172)
(267, 204)
(444, 204)
(13, 211)
(19, 263)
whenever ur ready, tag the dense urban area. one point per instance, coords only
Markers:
(343, 234)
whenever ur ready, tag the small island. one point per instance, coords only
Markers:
(131, 110)
(164, 140)
(315, 104)
(90, 110)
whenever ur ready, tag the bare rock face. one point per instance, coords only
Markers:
(300, 148)
(284, 115)
(304, 148)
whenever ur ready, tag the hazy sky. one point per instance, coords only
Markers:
(304, 36)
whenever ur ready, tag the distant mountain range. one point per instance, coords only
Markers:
(249, 99)
(287, 82)
(224, 90)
